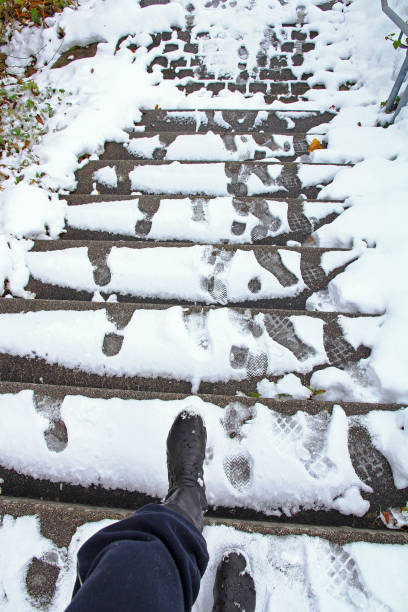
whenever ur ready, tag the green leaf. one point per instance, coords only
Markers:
(396, 44)
(280, 395)
(35, 15)
(319, 391)
(30, 103)
(254, 394)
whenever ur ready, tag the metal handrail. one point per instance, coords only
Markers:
(404, 68)
(394, 17)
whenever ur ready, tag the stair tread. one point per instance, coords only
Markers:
(203, 120)
(230, 220)
(206, 178)
(222, 146)
(267, 459)
(266, 276)
(338, 553)
(217, 350)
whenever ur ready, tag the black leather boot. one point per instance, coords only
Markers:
(185, 456)
(234, 588)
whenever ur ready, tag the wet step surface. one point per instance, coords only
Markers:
(269, 277)
(227, 219)
(214, 350)
(300, 461)
(337, 554)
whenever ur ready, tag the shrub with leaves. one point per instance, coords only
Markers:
(29, 11)
(24, 110)
(397, 42)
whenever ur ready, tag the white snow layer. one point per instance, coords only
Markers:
(106, 176)
(31, 212)
(170, 343)
(165, 272)
(109, 90)
(211, 147)
(290, 573)
(176, 220)
(276, 464)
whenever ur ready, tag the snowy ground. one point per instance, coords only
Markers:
(104, 98)
(290, 573)
(107, 91)
(256, 458)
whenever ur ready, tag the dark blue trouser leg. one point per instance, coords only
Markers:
(152, 561)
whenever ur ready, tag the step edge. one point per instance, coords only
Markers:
(80, 305)
(338, 534)
(288, 406)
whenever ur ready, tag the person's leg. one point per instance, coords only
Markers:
(154, 560)
(151, 561)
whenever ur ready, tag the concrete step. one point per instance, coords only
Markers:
(275, 62)
(252, 178)
(281, 460)
(193, 49)
(160, 272)
(248, 121)
(171, 146)
(285, 92)
(229, 219)
(337, 553)
(174, 349)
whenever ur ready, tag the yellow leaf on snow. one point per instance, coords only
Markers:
(315, 144)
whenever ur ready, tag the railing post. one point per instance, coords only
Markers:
(394, 17)
(402, 102)
(397, 85)
(404, 68)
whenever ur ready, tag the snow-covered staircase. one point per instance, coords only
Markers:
(175, 277)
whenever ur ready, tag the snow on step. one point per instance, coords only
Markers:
(259, 457)
(200, 219)
(206, 274)
(294, 567)
(256, 121)
(171, 146)
(120, 344)
(211, 179)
